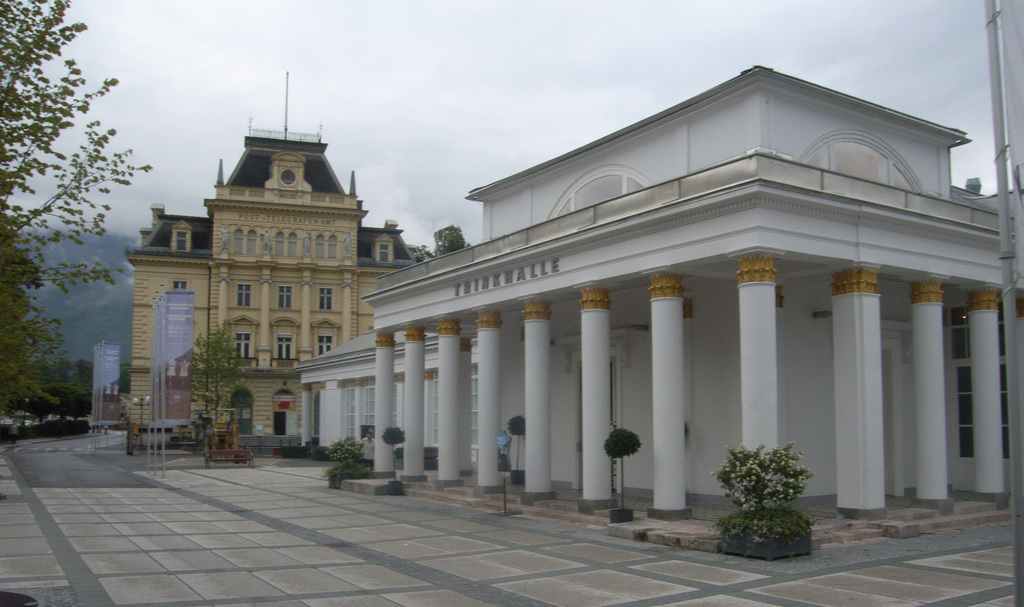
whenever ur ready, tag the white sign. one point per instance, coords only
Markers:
(258, 431)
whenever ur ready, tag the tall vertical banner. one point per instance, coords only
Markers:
(172, 357)
(106, 369)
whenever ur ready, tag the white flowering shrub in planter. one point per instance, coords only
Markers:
(763, 484)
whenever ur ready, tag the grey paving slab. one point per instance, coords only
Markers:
(698, 572)
(530, 561)
(373, 577)
(814, 594)
(190, 560)
(123, 562)
(28, 566)
(304, 581)
(228, 585)
(595, 552)
(317, 555)
(147, 589)
(474, 568)
(256, 557)
(561, 592)
(434, 598)
(351, 601)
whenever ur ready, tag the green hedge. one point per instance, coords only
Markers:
(319, 454)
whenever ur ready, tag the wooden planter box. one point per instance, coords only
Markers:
(767, 549)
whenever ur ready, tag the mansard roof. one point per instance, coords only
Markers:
(162, 237)
(253, 169)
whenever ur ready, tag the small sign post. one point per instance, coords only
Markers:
(502, 441)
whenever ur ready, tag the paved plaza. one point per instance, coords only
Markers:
(277, 536)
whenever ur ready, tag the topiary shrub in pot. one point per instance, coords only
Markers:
(621, 443)
(393, 437)
(517, 428)
(763, 484)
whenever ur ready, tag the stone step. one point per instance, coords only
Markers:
(908, 529)
(972, 507)
(910, 514)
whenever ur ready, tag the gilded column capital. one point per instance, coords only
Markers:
(779, 297)
(666, 285)
(756, 268)
(359, 383)
(385, 340)
(687, 307)
(982, 300)
(1020, 308)
(465, 345)
(428, 375)
(307, 387)
(926, 292)
(415, 334)
(448, 326)
(855, 280)
(537, 310)
(595, 299)
(488, 319)
(400, 378)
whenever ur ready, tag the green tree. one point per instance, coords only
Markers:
(215, 364)
(448, 240)
(41, 97)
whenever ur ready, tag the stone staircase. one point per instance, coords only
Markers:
(699, 534)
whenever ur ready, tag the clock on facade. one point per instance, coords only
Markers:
(287, 177)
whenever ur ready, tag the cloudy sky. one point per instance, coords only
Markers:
(427, 100)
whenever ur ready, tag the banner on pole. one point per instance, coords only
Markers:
(174, 320)
(106, 370)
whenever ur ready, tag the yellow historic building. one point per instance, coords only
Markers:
(282, 257)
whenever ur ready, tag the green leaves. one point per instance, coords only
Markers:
(763, 483)
(46, 191)
(215, 365)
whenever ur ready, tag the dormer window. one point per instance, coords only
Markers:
(383, 251)
(181, 237)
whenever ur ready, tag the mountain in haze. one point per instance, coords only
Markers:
(96, 311)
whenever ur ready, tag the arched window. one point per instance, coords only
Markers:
(239, 242)
(863, 156)
(293, 245)
(596, 186)
(332, 247)
(250, 243)
(318, 250)
(279, 244)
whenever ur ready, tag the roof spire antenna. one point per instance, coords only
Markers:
(250, 124)
(286, 105)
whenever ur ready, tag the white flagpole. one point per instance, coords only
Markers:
(1007, 255)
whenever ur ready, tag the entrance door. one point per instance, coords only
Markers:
(241, 402)
(280, 423)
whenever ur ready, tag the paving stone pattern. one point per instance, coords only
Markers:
(275, 536)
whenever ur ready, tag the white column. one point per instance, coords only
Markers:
(759, 383)
(929, 389)
(537, 400)
(983, 325)
(857, 359)
(413, 458)
(465, 407)
(488, 398)
(448, 401)
(596, 358)
(384, 382)
(307, 414)
(668, 397)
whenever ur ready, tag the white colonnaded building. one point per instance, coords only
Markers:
(768, 262)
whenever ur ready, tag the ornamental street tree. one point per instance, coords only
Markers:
(215, 364)
(46, 192)
(446, 240)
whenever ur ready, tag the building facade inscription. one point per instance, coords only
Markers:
(507, 277)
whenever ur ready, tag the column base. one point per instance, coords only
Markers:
(943, 506)
(1001, 500)
(585, 506)
(439, 485)
(676, 514)
(863, 514)
(466, 472)
(530, 498)
(483, 490)
(384, 474)
(414, 478)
